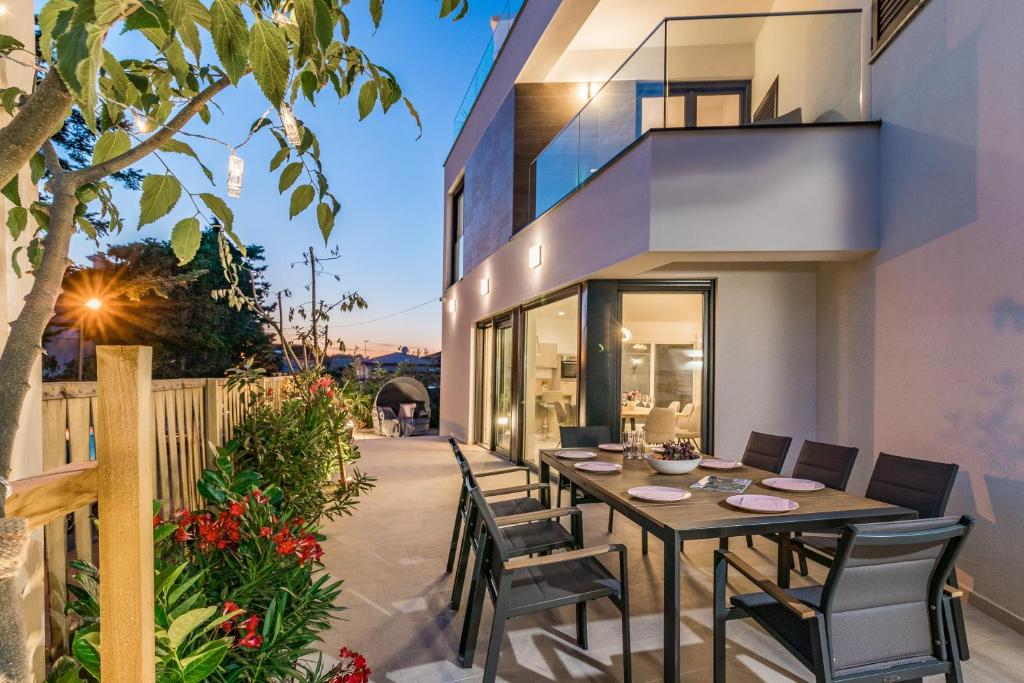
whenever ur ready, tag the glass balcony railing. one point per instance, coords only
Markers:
(501, 24)
(744, 70)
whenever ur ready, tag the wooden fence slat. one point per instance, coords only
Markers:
(182, 445)
(55, 533)
(79, 432)
(124, 430)
(170, 503)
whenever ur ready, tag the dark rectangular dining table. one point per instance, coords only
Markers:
(705, 514)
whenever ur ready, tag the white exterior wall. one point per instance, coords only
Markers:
(949, 286)
(18, 22)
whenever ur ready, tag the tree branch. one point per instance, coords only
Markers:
(37, 119)
(91, 174)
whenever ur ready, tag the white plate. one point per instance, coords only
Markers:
(615, 447)
(765, 504)
(659, 494)
(792, 484)
(599, 466)
(720, 464)
(575, 455)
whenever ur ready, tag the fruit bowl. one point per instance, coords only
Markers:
(672, 466)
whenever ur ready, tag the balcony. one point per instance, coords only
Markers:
(721, 84)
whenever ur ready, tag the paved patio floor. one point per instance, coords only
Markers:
(391, 555)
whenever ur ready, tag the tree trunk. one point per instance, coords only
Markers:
(13, 658)
(37, 119)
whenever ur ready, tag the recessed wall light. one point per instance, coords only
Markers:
(451, 305)
(533, 257)
(485, 286)
(3, 10)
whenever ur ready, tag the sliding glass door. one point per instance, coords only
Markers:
(662, 371)
(551, 373)
(503, 387)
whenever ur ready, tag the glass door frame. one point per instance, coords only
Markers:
(510, 322)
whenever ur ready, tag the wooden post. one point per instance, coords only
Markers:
(213, 407)
(124, 436)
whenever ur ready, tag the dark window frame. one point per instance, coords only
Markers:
(880, 40)
(458, 225)
(688, 88)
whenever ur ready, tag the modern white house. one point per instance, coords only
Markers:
(801, 217)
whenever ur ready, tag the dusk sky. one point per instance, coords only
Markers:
(389, 183)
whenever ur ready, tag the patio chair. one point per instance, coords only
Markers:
(506, 507)
(541, 535)
(765, 452)
(581, 437)
(921, 485)
(521, 585)
(827, 463)
(882, 615)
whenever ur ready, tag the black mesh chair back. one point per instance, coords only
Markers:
(920, 485)
(882, 600)
(459, 457)
(766, 451)
(579, 437)
(830, 464)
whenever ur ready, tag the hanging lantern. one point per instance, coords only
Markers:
(291, 125)
(236, 167)
(141, 122)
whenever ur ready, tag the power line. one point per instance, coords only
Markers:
(385, 317)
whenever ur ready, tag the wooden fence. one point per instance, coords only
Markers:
(120, 442)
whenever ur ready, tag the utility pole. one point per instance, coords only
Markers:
(312, 287)
(280, 322)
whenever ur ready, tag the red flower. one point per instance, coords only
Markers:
(287, 546)
(270, 391)
(156, 521)
(251, 641)
(181, 535)
(265, 531)
(258, 496)
(237, 509)
(251, 624)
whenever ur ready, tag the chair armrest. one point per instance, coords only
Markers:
(952, 591)
(569, 556)
(538, 516)
(773, 589)
(515, 489)
(502, 470)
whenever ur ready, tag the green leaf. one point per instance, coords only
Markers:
(305, 17)
(109, 11)
(324, 23)
(301, 198)
(163, 531)
(10, 44)
(65, 670)
(220, 209)
(415, 114)
(289, 175)
(79, 55)
(52, 20)
(280, 157)
(268, 54)
(230, 37)
(178, 147)
(159, 195)
(182, 16)
(184, 625)
(325, 219)
(17, 221)
(86, 649)
(111, 144)
(9, 97)
(376, 12)
(205, 661)
(86, 226)
(10, 190)
(367, 98)
(185, 238)
(38, 167)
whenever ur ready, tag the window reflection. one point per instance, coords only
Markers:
(551, 372)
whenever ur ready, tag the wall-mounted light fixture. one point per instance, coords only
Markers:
(533, 258)
(485, 286)
(451, 305)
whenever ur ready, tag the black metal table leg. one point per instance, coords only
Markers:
(671, 608)
(785, 559)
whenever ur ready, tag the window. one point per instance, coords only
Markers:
(888, 18)
(692, 105)
(458, 229)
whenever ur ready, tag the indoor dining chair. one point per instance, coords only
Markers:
(523, 504)
(882, 615)
(521, 585)
(541, 535)
(920, 485)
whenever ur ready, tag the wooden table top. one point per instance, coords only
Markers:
(705, 514)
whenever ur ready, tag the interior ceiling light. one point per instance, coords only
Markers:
(626, 334)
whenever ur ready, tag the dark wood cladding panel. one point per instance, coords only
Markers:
(541, 111)
(488, 184)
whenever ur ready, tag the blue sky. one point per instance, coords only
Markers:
(390, 184)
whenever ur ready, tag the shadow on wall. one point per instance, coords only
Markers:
(991, 487)
(929, 164)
